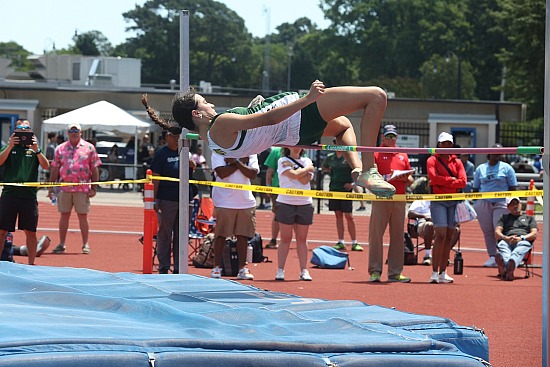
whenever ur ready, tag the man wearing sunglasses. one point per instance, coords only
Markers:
(75, 161)
(19, 202)
(390, 213)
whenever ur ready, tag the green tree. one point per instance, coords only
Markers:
(218, 41)
(92, 43)
(440, 78)
(393, 38)
(488, 39)
(17, 54)
(524, 56)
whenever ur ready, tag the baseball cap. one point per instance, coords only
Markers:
(445, 137)
(390, 129)
(509, 200)
(70, 126)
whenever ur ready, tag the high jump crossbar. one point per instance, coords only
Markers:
(351, 148)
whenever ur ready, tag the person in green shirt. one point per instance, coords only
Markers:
(339, 171)
(18, 203)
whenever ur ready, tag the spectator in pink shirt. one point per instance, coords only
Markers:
(75, 161)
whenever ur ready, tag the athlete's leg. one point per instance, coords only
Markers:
(340, 101)
(342, 129)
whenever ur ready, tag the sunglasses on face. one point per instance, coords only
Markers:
(74, 130)
(391, 137)
(23, 127)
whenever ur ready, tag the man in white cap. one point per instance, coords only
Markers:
(77, 161)
(515, 233)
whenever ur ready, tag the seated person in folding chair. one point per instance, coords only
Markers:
(515, 233)
(235, 209)
(419, 211)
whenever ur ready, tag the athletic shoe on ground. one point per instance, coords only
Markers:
(59, 249)
(356, 247)
(272, 244)
(444, 278)
(361, 209)
(510, 267)
(86, 249)
(375, 183)
(427, 260)
(435, 277)
(216, 272)
(304, 275)
(339, 246)
(280, 274)
(42, 245)
(399, 278)
(490, 263)
(244, 274)
(501, 267)
(375, 277)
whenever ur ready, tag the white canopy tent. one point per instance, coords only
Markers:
(99, 116)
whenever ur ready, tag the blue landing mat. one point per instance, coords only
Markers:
(79, 317)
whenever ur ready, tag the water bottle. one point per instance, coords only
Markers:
(249, 250)
(458, 263)
(54, 197)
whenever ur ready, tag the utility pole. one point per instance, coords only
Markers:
(265, 74)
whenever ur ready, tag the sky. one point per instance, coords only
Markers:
(40, 25)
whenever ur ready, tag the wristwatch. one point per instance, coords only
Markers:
(523, 238)
(38, 151)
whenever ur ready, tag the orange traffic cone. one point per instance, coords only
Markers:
(530, 209)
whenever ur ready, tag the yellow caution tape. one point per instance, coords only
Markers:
(311, 193)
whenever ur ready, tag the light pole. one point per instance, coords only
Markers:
(290, 54)
(459, 72)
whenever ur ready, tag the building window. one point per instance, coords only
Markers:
(76, 71)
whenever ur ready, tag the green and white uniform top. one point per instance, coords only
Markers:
(254, 141)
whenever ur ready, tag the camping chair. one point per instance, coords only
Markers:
(412, 230)
(195, 234)
(528, 261)
(204, 221)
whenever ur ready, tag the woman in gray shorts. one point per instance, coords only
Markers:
(294, 213)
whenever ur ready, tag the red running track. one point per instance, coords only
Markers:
(509, 312)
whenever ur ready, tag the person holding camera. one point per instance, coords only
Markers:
(21, 158)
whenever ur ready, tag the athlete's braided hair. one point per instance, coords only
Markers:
(169, 126)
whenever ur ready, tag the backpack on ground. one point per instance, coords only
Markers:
(205, 256)
(258, 249)
(327, 257)
(410, 256)
(230, 258)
